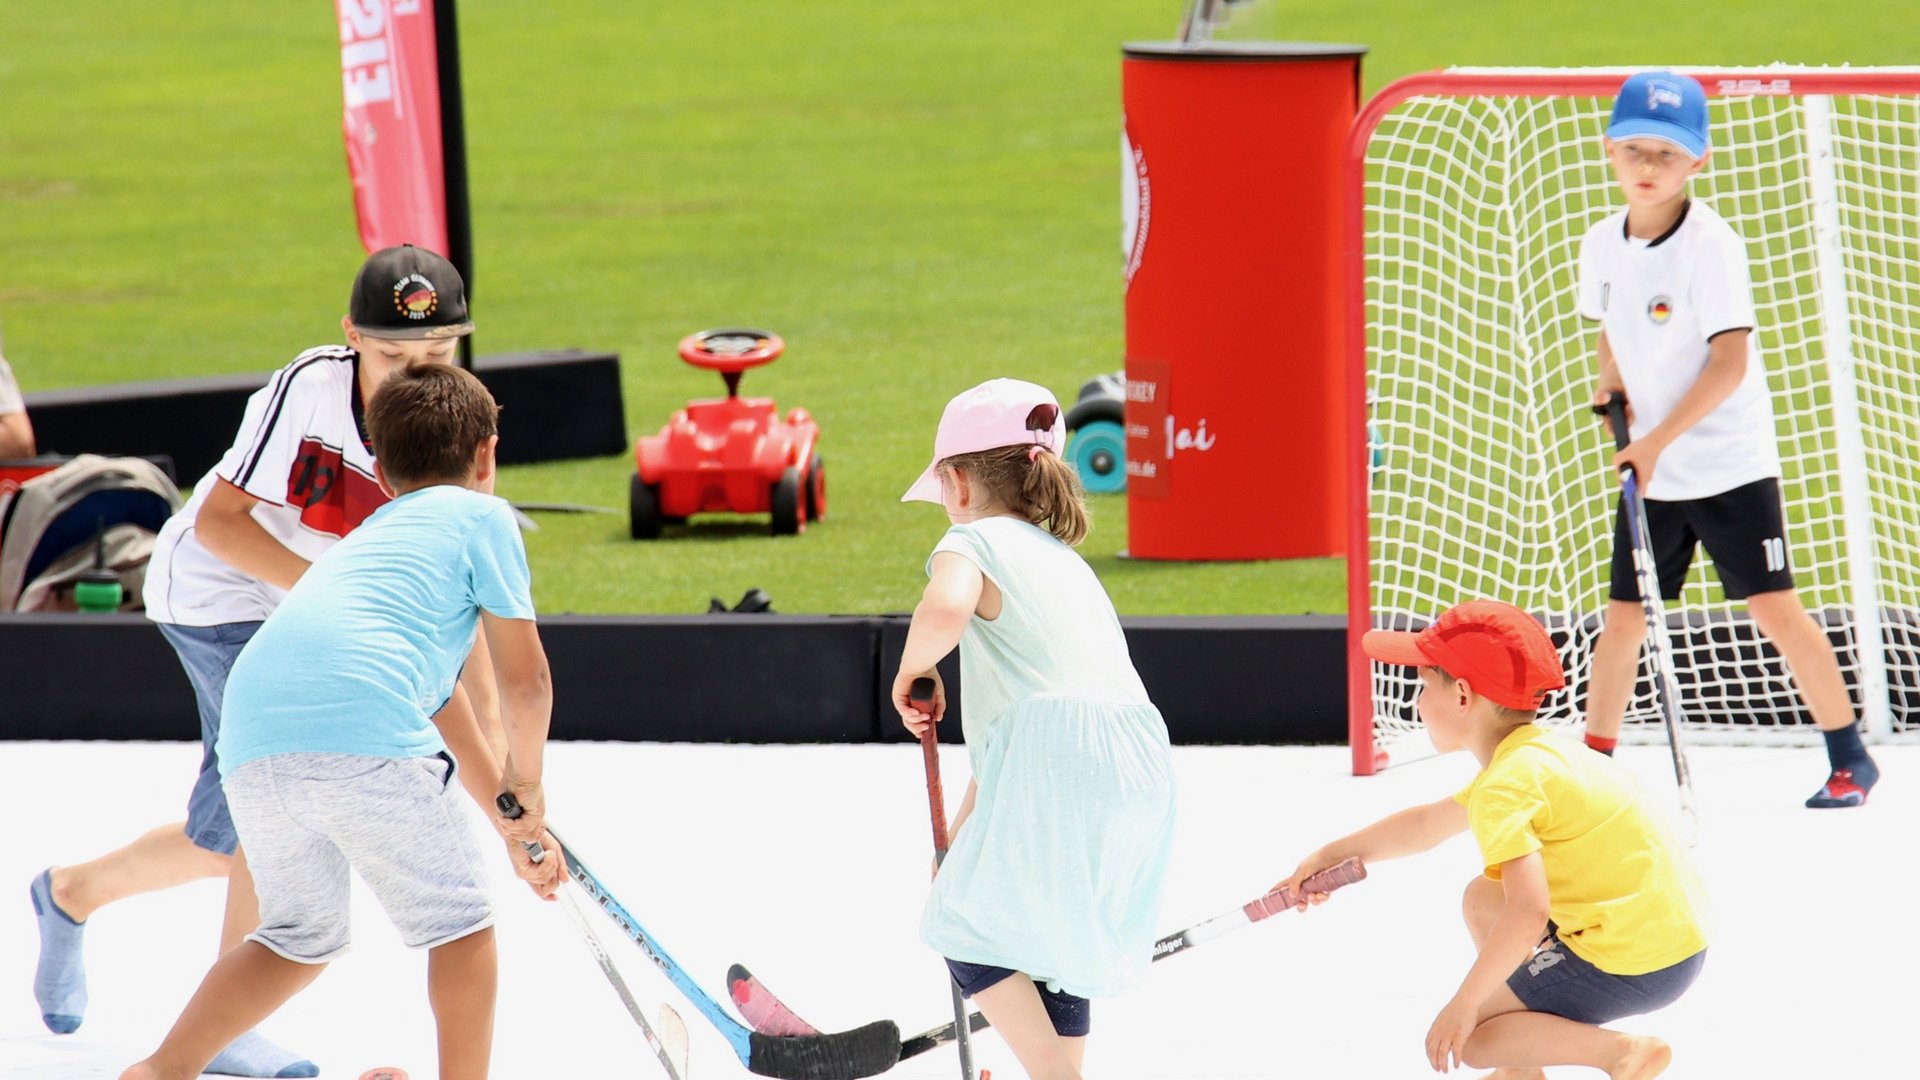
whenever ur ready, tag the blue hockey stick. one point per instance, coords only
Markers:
(843, 1055)
(1666, 686)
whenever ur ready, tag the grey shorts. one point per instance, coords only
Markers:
(1555, 980)
(305, 818)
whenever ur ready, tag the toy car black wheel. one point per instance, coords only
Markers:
(1087, 410)
(1098, 452)
(643, 509)
(787, 510)
(816, 485)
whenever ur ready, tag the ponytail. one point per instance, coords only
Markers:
(1054, 498)
(1039, 487)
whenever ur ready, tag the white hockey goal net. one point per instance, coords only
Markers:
(1468, 192)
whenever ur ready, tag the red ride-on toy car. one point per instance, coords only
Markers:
(731, 454)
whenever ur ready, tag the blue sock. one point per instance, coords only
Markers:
(253, 1055)
(1846, 751)
(60, 981)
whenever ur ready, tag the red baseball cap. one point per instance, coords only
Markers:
(1502, 651)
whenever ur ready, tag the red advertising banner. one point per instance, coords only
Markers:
(389, 71)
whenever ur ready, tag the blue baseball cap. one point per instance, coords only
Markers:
(1662, 105)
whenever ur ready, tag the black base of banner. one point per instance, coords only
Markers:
(554, 405)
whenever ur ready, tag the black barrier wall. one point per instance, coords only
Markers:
(553, 405)
(715, 678)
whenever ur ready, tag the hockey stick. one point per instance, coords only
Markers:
(1326, 881)
(1647, 576)
(844, 1055)
(670, 1048)
(761, 1007)
(921, 695)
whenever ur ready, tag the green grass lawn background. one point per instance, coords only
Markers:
(917, 196)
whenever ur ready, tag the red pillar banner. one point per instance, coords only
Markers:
(389, 70)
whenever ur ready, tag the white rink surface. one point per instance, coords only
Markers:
(809, 865)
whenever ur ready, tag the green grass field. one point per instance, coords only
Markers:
(916, 196)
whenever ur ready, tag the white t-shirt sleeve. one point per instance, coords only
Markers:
(1722, 284)
(1592, 301)
(277, 420)
(962, 542)
(10, 400)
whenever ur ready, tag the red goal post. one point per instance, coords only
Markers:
(1466, 192)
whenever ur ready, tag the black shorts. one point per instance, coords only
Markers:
(1743, 529)
(1072, 1016)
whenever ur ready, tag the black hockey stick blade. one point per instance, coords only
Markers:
(841, 1055)
(940, 1036)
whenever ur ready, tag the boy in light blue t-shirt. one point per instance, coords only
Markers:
(344, 720)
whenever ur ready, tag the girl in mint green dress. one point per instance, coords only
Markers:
(1050, 893)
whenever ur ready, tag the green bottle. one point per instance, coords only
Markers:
(98, 590)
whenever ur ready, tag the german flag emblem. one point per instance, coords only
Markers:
(1660, 310)
(415, 298)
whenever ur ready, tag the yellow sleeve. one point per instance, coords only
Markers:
(1502, 821)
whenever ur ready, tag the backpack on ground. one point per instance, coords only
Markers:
(50, 524)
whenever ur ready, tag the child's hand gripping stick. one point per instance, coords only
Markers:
(510, 809)
(1333, 877)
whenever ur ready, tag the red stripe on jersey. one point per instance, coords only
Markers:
(332, 498)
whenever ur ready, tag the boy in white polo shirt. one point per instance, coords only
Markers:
(1667, 279)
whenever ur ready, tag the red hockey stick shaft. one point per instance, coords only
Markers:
(921, 695)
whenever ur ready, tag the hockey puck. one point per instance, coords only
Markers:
(387, 1073)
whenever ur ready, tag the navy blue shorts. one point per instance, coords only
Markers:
(208, 652)
(1072, 1016)
(1556, 981)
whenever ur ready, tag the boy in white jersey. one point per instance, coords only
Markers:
(337, 752)
(1667, 279)
(298, 477)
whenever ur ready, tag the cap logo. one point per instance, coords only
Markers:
(1663, 93)
(1660, 309)
(415, 298)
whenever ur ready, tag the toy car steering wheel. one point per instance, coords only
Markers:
(731, 350)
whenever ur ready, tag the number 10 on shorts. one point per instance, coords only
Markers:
(1776, 549)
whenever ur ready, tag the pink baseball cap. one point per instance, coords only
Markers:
(998, 412)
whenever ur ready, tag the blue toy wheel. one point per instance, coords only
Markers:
(1098, 451)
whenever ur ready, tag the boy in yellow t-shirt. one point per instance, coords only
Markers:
(1589, 909)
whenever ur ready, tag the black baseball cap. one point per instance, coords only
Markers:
(408, 293)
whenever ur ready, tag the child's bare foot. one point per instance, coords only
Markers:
(1645, 1057)
(1516, 1074)
(142, 1071)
